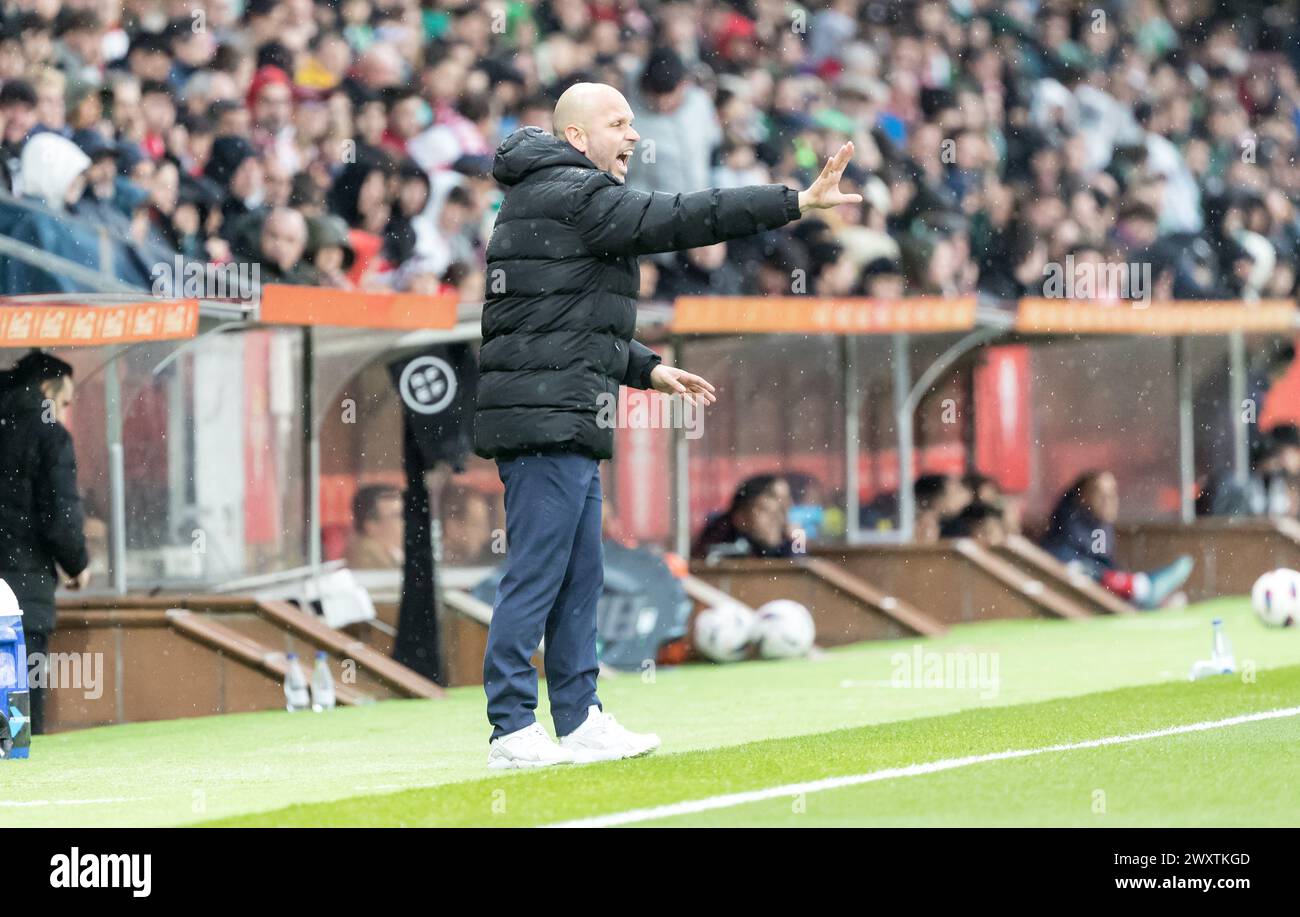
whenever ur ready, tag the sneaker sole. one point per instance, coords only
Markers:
(508, 764)
(593, 758)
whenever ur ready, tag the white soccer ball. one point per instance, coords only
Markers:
(1276, 597)
(724, 632)
(785, 630)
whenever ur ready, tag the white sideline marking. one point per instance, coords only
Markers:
(726, 801)
(33, 803)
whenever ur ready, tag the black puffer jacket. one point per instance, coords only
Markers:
(41, 519)
(562, 283)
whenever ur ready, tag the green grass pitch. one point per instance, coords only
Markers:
(753, 727)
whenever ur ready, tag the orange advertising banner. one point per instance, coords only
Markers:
(820, 315)
(290, 305)
(1159, 318)
(58, 325)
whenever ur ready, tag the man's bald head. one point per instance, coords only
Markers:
(596, 120)
(284, 238)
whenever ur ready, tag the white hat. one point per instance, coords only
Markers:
(8, 602)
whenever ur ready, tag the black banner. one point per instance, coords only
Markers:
(979, 868)
(437, 388)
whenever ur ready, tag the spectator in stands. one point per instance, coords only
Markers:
(380, 529)
(99, 202)
(754, 525)
(53, 171)
(453, 237)
(233, 165)
(281, 243)
(882, 279)
(42, 537)
(834, 273)
(329, 254)
(993, 141)
(680, 118)
(80, 46)
(413, 195)
(17, 121)
(1081, 534)
(703, 271)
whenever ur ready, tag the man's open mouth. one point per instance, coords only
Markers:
(625, 157)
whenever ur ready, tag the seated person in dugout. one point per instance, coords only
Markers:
(380, 529)
(938, 498)
(988, 491)
(1081, 534)
(811, 512)
(754, 525)
(1269, 489)
(979, 521)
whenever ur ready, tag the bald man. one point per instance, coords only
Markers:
(558, 318)
(283, 241)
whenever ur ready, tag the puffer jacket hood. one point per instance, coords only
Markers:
(529, 149)
(50, 164)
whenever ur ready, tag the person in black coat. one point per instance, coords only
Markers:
(41, 517)
(558, 317)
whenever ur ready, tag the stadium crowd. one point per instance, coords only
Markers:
(349, 143)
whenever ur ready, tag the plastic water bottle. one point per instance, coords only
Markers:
(322, 684)
(295, 686)
(1221, 661)
(1222, 654)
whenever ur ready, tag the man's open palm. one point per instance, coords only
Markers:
(673, 381)
(825, 191)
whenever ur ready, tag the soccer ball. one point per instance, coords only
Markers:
(785, 630)
(723, 633)
(1276, 597)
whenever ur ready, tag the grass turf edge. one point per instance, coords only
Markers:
(560, 794)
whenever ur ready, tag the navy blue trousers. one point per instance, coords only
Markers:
(554, 574)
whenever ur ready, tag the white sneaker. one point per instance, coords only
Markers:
(601, 738)
(527, 747)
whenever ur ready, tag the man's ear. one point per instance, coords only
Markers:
(576, 137)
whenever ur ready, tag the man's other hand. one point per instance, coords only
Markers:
(825, 192)
(78, 582)
(673, 381)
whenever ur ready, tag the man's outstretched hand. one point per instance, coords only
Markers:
(825, 192)
(673, 381)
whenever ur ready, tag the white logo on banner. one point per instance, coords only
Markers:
(428, 385)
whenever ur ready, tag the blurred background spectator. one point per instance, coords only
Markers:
(755, 524)
(1081, 535)
(378, 541)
